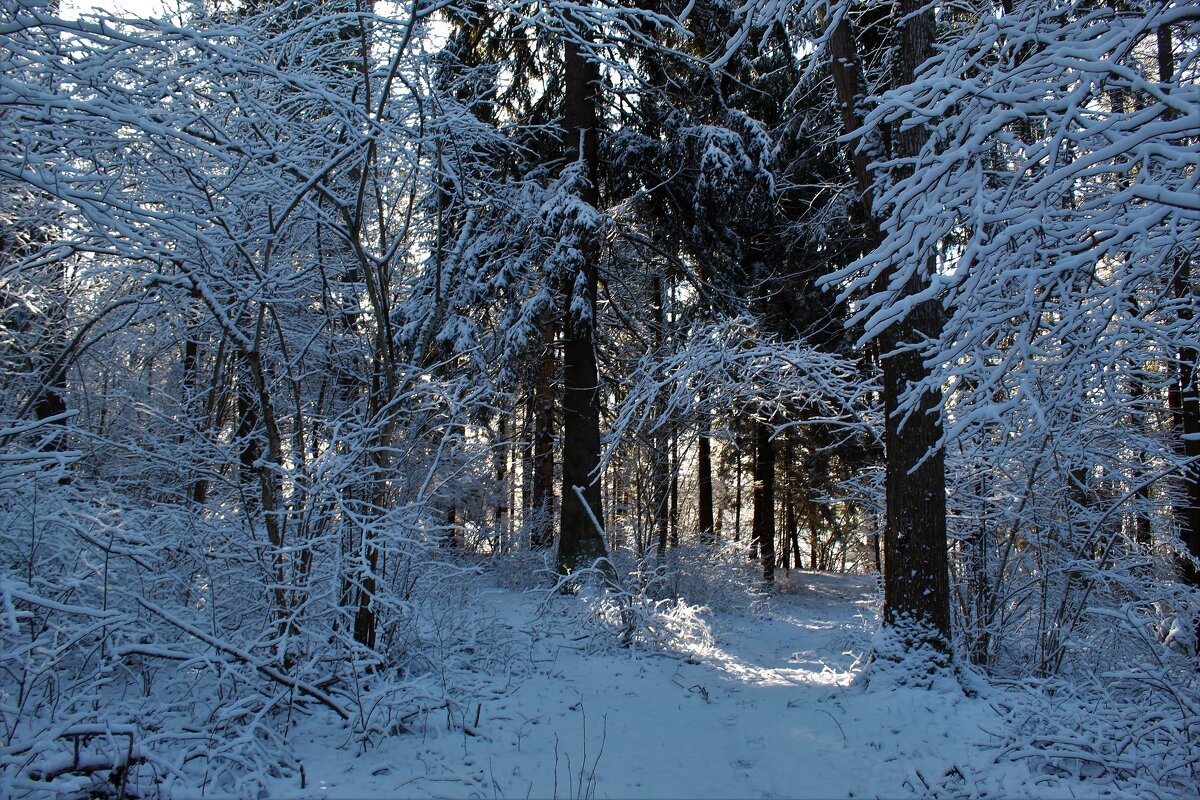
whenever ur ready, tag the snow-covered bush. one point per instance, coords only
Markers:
(262, 471)
(715, 576)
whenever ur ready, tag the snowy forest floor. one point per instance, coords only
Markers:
(757, 701)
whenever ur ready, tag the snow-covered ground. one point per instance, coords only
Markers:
(750, 703)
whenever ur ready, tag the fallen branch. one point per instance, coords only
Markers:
(267, 670)
(84, 765)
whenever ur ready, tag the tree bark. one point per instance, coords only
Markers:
(764, 498)
(916, 578)
(674, 434)
(503, 508)
(541, 502)
(660, 465)
(1184, 395)
(707, 527)
(581, 539)
(814, 539)
(917, 582)
(789, 505)
(737, 502)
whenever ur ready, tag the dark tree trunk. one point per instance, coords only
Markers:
(707, 527)
(814, 539)
(52, 402)
(754, 500)
(1184, 395)
(503, 509)
(364, 612)
(660, 495)
(794, 539)
(246, 436)
(916, 578)
(581, 539)
(789, 505)
(660, 466)
(450, 535)
(737, 501)
(791, 554)
(978, 585)
(541, 501)
(789, 524)
(660, 490)
(764, 498)
(674, 487)
(195, 410)
(917, 582)
(258, 419)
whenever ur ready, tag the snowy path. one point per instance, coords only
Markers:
(762, 708)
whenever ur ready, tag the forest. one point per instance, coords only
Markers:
(805, 389)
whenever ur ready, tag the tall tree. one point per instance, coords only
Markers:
(916, 567)
(581, 534)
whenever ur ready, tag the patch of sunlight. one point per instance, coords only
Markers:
(801, 669)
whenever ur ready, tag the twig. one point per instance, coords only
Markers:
(242, 655)
(835, 722)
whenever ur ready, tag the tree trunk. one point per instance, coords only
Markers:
(541, 479)
(789, 505)
(814, 539)
(917, 583)
(1184, 395)
(674, 487)
(581, 539)
(737, 502)
(978, 586)
(660, 465)
(789, 525)
(246, 437)
(707, 528)
(503, 512)
(916, 579)
(198, 412)
(794, 539)
(1184, 399)
(258, 417)
(764, 498)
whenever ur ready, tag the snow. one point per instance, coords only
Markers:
(200, 189)
(754, 702)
